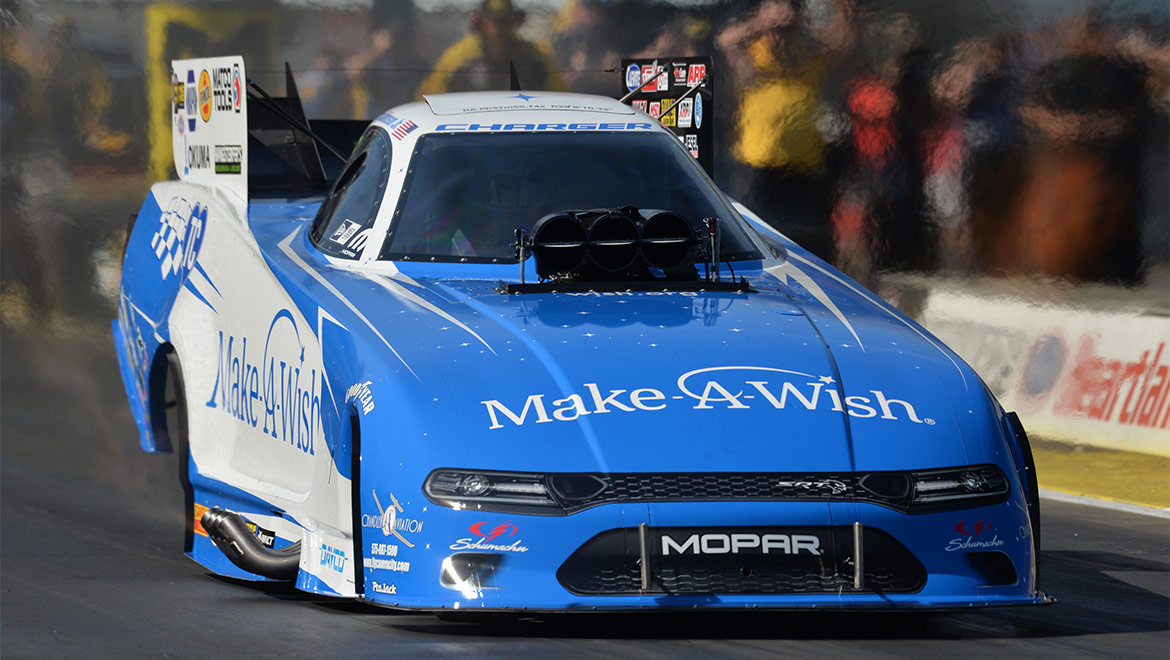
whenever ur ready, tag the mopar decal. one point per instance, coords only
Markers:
(708, 389)
(277, 393)
(722, 544)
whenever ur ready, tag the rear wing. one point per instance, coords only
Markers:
(209, 122)
(250, 144)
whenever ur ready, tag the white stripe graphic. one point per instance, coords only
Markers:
(869, 296)
(284, 247)
(787, 268)
(400, 291)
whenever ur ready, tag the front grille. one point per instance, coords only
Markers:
(727, 486)
(608, 564)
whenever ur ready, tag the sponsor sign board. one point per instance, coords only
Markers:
(209, 133)
(687, 119)
(1099, 378)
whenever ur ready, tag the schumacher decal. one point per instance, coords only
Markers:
(487, 539)
(970, 532)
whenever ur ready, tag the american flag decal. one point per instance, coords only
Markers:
(404, 128)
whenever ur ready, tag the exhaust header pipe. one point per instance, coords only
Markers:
(231, 535)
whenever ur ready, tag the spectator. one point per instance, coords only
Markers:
(480, 61)
(778, 61)
(585, 46)
(1067, 200)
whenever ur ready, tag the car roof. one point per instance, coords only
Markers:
(512, 108)
(473, 103)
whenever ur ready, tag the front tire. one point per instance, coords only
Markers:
(175, 404)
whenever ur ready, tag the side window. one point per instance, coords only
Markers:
(345, 221)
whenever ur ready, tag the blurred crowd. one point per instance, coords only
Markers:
(880, 134)
(863, 132)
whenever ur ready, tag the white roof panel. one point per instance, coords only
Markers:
(473, 102)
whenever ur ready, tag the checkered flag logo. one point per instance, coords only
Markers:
(180, 232)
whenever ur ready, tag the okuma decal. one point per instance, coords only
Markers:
(712, 388)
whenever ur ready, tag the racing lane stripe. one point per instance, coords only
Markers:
(1060, 496)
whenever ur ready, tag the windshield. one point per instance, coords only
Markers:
(466, 195)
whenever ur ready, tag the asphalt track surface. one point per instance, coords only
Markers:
(91, 565)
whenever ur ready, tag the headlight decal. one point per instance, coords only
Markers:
(925, 491)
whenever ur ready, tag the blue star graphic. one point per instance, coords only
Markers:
(522, 96)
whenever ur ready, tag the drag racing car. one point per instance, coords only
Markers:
(515, 351)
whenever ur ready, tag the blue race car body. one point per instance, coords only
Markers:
(371, 385)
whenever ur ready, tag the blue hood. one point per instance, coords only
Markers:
(774, 380)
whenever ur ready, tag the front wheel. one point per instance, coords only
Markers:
(1033, 484)
(175, 415)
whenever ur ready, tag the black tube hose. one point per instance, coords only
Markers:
(231, 535)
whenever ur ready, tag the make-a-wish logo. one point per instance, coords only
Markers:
(486, 536)
(179, 236)
(711, 388)
(279, 393)
(971, 532)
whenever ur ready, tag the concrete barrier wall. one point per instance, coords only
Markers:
(1094, 371)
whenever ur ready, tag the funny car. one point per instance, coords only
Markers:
(515, 351)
